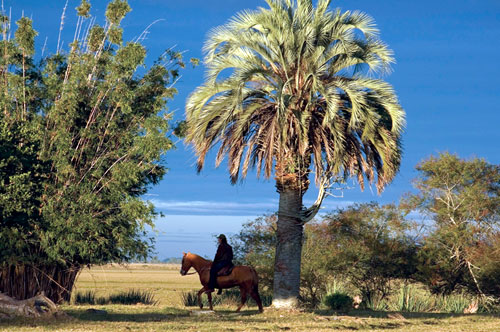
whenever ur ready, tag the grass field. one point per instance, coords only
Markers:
(164, 280)
(170, 314)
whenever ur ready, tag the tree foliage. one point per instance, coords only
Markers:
(368, 245)
(374, 246)
(255, 245)
(295, 89)
(461, 199)
(82, 136)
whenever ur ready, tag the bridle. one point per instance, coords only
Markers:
(186, 273)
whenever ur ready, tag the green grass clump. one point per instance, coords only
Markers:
(87, 297)
(129, 297)
(133, 296)
(453, 303)
(412, 299)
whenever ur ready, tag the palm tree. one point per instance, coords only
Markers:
(291, 89)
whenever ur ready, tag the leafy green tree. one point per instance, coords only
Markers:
(369, 245)
(374, 247)
(486, 256)
(461, 199)
(82, 135)
(290, 89)
(255, 245)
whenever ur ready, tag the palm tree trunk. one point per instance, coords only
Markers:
(288, 249)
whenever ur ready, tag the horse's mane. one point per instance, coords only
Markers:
(198, 256)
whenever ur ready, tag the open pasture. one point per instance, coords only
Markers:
(164, 280)
(171, 315)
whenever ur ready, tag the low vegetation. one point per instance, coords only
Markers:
(131, 296)
(171, 315)
(389, 257)
(230, 297)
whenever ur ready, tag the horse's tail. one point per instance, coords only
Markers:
(255, 289)
(255, 279)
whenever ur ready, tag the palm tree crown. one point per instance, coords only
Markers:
(293, 85)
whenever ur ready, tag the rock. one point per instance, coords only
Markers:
(202, 312)
(472, 308)
(356, 301)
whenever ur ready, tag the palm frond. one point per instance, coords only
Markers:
(298, 88)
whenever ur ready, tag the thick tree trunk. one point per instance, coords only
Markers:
(288, 249)
(25, 281)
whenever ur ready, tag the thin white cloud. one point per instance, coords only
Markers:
(232, 208)
(214, 207)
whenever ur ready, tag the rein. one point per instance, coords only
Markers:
(199, 272)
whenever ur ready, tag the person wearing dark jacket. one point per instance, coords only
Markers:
(223, 257)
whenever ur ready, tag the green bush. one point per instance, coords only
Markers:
(338, 301)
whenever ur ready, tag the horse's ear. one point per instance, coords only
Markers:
(183, 253)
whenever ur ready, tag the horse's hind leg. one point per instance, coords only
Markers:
(243, 294)
(254, 293)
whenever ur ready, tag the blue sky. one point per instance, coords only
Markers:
(447, 77)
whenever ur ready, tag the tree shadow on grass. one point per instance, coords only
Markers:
(406, 315)
(113, 315)
(158, 315)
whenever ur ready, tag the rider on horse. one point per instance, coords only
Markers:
(223, 257)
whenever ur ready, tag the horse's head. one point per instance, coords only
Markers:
(186, 264)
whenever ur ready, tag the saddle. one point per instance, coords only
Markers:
(226, 270)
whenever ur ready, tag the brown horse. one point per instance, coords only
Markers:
(243, 276)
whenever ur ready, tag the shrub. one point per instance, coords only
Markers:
(338, 301)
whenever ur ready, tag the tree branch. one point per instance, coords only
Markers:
(325, 186)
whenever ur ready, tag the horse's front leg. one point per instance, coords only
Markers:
(200, 292)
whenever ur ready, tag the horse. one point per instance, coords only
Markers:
(243, 276)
